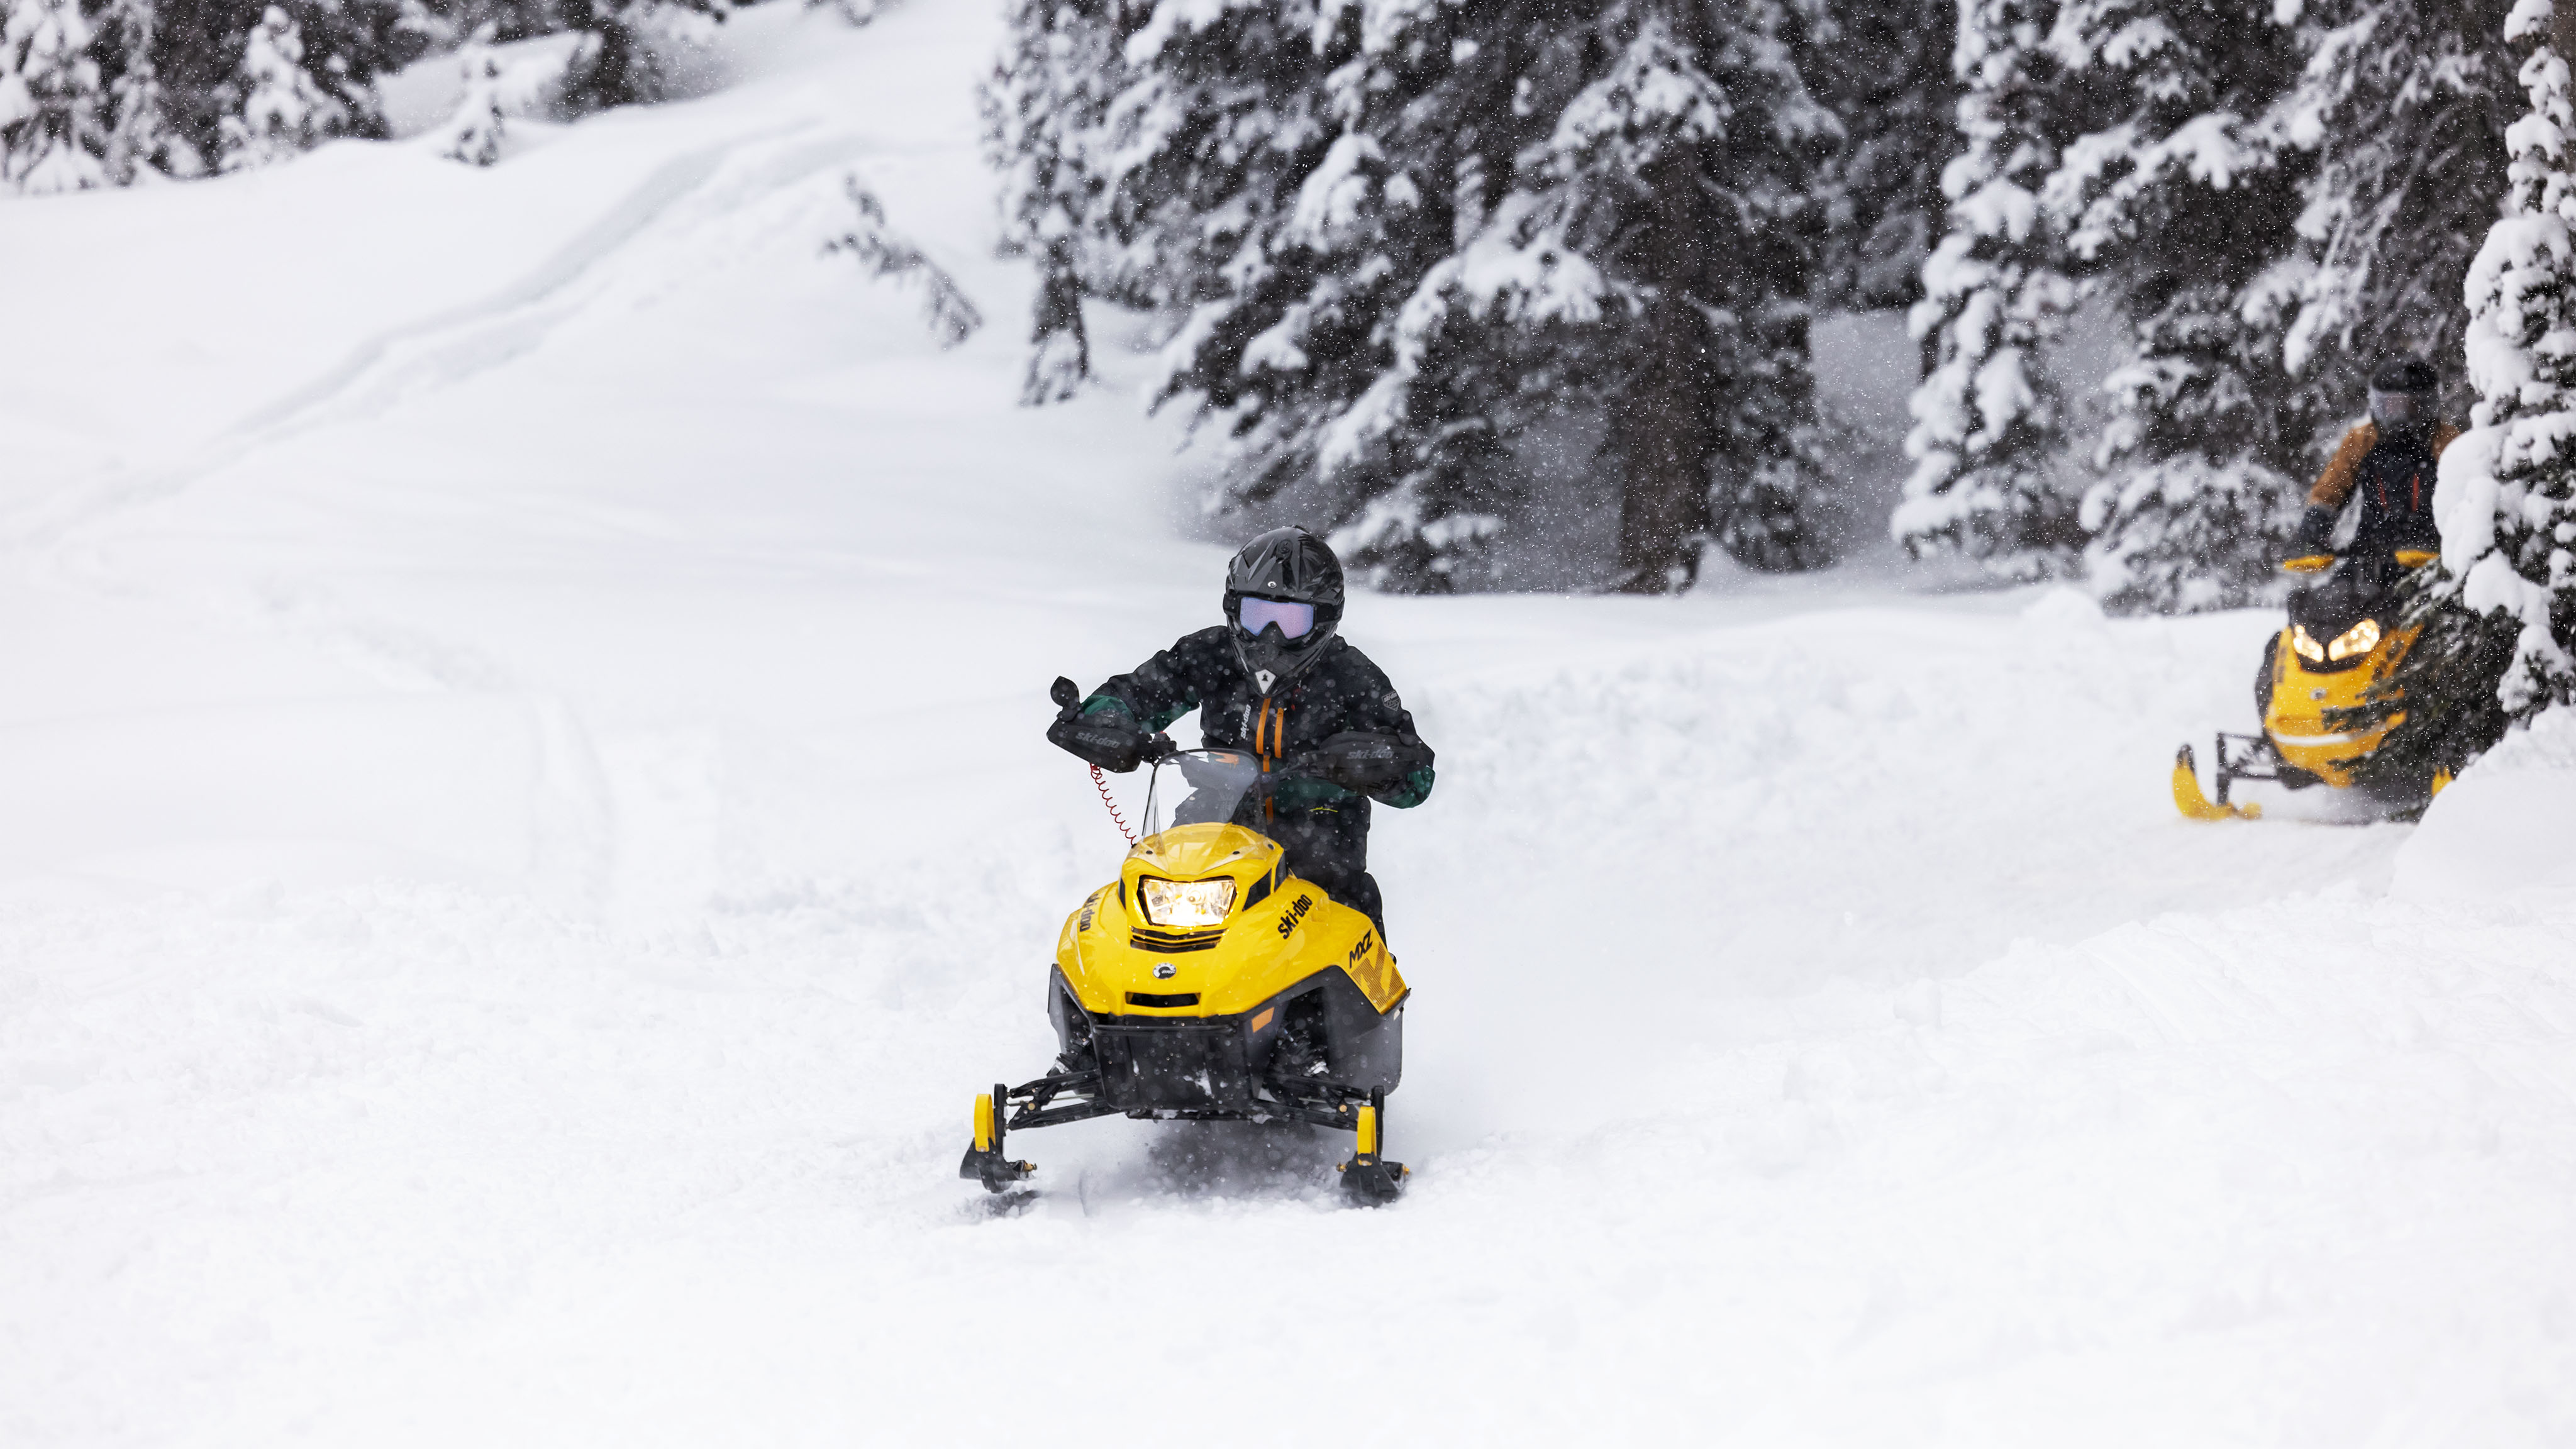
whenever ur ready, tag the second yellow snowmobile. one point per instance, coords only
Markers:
(2343, 641)
(1208, 982)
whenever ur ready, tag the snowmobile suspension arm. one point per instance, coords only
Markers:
(2245, 757)
(1034, 1104)
(1033, 1098)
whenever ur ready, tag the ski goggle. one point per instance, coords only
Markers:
(2400, 407)
(1254, 615)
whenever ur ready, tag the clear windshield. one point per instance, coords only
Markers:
(1200, 787)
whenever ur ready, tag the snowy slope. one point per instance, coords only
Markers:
(523, 825)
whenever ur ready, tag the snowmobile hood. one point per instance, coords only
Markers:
(1188, 852)
(1281, 931)
(2306, 717)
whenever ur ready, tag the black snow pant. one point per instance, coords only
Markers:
(1330, 848)
(1356, 889)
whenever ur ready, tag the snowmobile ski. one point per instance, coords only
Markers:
(2198, 806)
(1368, 1177)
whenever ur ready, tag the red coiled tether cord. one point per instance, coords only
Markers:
(1102, 786)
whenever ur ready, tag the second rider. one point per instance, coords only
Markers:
(2391, 461)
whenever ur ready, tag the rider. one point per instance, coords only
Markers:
(1278, 680)
(2390, 459)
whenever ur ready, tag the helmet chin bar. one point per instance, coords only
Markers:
(1272, 659)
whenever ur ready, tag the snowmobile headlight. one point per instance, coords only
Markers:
(1187, 904)
(2358, 640)
(2306, 645)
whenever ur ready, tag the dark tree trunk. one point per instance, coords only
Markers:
(607, 77)
(1060, 298)
(1665, 422)
(1060, 355)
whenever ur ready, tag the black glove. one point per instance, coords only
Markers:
(1110, 738)
(1368, 763)
(1114, 745)
(2316, 530)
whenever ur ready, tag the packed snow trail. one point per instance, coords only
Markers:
(514, 860)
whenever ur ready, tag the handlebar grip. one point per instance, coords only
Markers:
(1112, 747)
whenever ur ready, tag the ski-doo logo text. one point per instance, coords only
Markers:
(1288, 922)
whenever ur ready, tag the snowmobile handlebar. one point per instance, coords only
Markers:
(1115, 741)
(1113, 745)
(1110, 741)
(2317, 561)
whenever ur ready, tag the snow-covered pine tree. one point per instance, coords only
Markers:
(185, 56)
(1989, 423)
(2402, 105)
(2176, 204)
(2499, 614)
(1885, 73)
(139, 139)
(2173, 134)
(1684, 174)
(1474, 344)
(480, 127)
(1464, 217)
(1267, 169)
(891, 256)
(1044, 109)
(208, 59)
(284, 113)
(52, 135)
(627, 46)
(2508, 506)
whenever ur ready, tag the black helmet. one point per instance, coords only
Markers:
(1284, 566)
(2405, 393)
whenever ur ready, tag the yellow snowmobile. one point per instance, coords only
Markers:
(1207, 983)
(2344, 639)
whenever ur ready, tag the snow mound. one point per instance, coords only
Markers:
(2503, 829)
(2065, 608)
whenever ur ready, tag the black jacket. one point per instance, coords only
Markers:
(2394, 474)
(1342, 690)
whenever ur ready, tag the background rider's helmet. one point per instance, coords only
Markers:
(2405, 394)
(1283, 599)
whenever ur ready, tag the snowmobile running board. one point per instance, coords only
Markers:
(2244, 764)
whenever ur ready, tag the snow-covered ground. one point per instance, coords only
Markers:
(523, 824)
